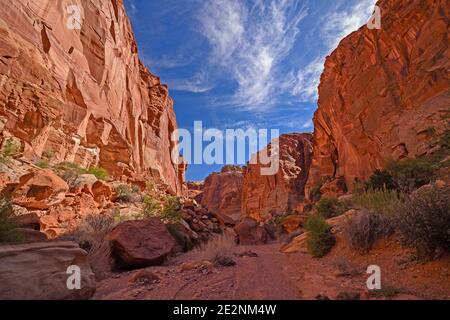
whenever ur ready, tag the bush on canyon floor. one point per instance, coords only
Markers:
(7, 224)
(364, 230)
(330, 207)
(91, 230)
(319, 239)
(219, 250)
(381, 201)
(424, 221)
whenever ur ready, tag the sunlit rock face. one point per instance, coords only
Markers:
(222, 192)
(383, 92)
(266, 196)
(77, 90)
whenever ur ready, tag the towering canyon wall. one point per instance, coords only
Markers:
(265, 196)
(382, 91)
(82, 94)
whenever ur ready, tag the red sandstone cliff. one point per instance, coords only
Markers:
(83, 95)
(222, 192)
(382, 90)
(264, 196)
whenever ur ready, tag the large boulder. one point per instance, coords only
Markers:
(250, 232)
(38, 271)
(140, 243)
(39, 190)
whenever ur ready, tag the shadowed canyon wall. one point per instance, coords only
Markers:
(382, 91)
(82, 94)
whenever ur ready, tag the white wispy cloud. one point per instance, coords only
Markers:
(250, 42)
(336, 26)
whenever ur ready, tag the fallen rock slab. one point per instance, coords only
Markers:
(38, 271)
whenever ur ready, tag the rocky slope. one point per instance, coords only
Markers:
(265, 196)
(383, 92)
(222, 192)
(82, 95)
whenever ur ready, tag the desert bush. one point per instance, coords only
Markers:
(444, 141)
(380, 180)
(7, 224)
(43, 164)
(68, 171)
(150, 208)
(9, 149)
(92, 230)
(378, 201)
(423, 221)
(411, 174)
(364, 230)
(99, 172)
(330, 207)
(319, 239)
(219, 248)
(171, 209)
(127, 194)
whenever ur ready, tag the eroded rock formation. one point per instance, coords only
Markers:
(82, 94)
(383, 92)
(222, 192)
(270, 195)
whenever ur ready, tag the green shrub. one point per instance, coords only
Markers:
(99, 172)
(150, 207)
(171, 210)
(92, 230)
(126, 194)
(424, 221)
(444, 141)
(330, 207)
(7, 224)
(315, 193)
(411, 174)
(43, 164)
(319, 238)
(380, 180)
(9, 149)
(364, 230)
(378, 201)
(68, 171)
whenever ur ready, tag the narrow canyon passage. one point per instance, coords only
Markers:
(269, 276)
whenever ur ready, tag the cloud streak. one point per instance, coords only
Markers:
(250, 42)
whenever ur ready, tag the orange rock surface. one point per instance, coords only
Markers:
(222, 192)
(265, 196)
(382, 92)
(83, 95)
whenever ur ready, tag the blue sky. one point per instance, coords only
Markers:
(242, 63)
